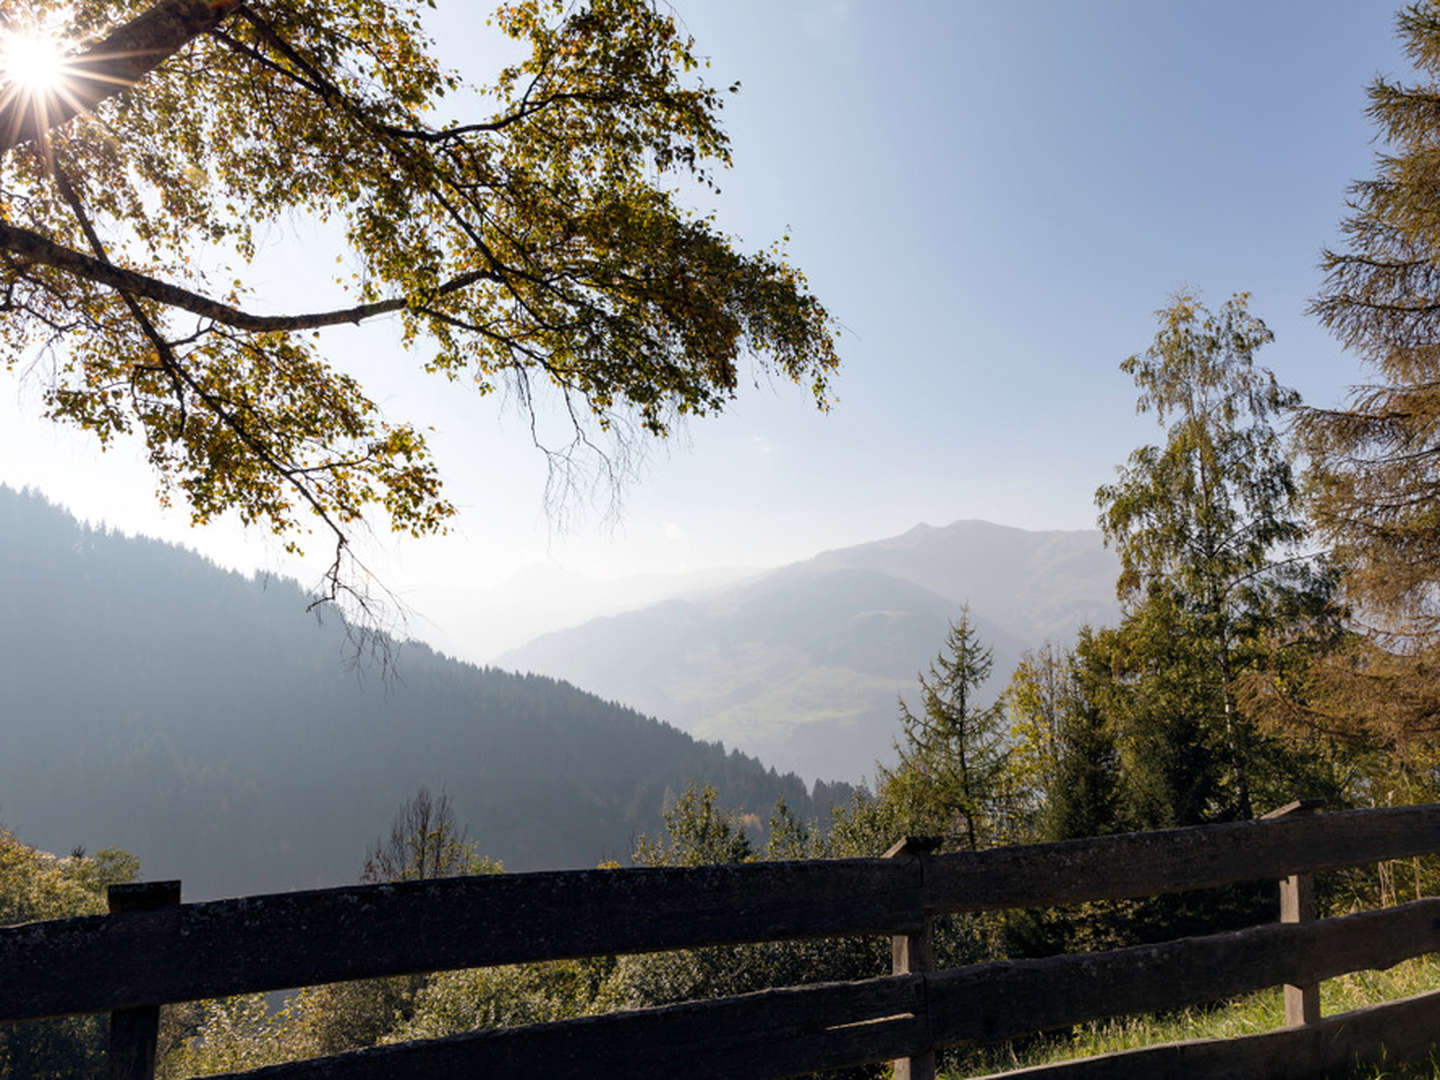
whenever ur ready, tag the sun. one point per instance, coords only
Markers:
(33, 62)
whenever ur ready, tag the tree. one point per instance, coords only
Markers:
(542, 243)
(1063, 756)
(697, 833)
(1376, 460)
(1203, 519)
(1153, 681)
(36, 885)
(952, 757)
(425, 842)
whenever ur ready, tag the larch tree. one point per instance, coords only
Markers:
(1201, 521)
(1374, 472)
(540, 246)
(952, 773)
(1376, 459)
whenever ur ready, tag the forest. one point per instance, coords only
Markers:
(201, 719)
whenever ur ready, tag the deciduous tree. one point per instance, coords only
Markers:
(425, 842)
(1204, 519)
(1375, 459)
(540, 245)
(36, 885)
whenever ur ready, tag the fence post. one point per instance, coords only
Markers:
(1297, 905)
(134, 1032)
(913, 954)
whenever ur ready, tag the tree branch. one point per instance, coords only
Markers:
(36, 249)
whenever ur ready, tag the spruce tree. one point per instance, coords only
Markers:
(1085, 794)
(1063, 761)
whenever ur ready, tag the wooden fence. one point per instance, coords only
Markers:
(152, 949)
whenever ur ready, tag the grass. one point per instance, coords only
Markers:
(1248, 1015)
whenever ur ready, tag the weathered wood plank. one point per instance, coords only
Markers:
(992, 1002)
(1174, 860)
(1297, 904)
(1394, 1032)
(224, 947)
(912, 954)
(769, 1034)
(134, 1032)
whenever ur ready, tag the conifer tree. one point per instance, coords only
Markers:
(1063, 760)
(1153, 681)
(952, 754)
(1084, 797)
(1376, 459)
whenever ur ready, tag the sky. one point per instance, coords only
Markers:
(992, 200)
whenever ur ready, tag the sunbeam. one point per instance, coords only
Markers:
(32, 62)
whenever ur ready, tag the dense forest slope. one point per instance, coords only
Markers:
(802, 665)
(202, 720)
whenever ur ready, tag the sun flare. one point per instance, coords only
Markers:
(34, 62)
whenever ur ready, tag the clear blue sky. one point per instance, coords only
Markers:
(991, 198)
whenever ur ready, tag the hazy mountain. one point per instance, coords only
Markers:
(802, 665)
(199, 718)
(543, 597)
(1038, 586)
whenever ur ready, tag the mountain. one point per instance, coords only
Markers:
(1037, 586)
(542, 597)
(803, 665)
(201, 719)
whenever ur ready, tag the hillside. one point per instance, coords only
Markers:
(802, 666)
(202, 720)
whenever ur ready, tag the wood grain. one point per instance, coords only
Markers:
(1176, 860)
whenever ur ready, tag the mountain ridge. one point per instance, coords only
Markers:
(802, 664)
(153, 701)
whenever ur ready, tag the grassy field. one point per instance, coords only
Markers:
(1243, 1016)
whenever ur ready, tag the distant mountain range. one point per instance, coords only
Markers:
(802, 665)
(201, 719)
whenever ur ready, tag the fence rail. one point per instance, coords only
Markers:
(133, 960)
